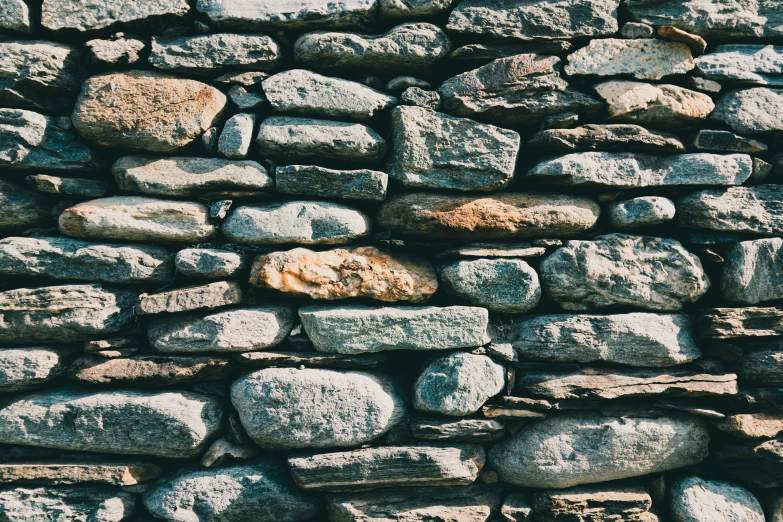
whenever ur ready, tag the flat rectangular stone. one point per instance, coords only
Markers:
(311, 180)
(494, 250)
(68, 186)
(53, 473)
(213, 295)
(754, 210)
(149, 370)
(505, 412)
(311, 360)
(744, 64)
(729, 323)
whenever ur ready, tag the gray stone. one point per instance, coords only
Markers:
(39, 75)
(368, 329)
(515, 91)
(32, 141)
(752, 271)
(610, 137)
(634, 339)
(187, 176)
(641, 212)
(725, 141)
(458, 384)
(747, 64)
(104, 14)
(148, 370)
(164, 424)
(271, 15)
(402, 10)
(433, 150)
(209, 262)
(479, 54)
(704, 85)
(416, 97)
(371, 468)
(223, 452)
(307, 93)
(734, 209)
(116, 51)
(298, 139)
(245, 100)
(68, 186)
(62, 314)
(761, 171)
(237, 134)
(524, 20)
(483, 250)
(311, 180)
(637, 30)
(696, 43)
(516, 508)
(209, 296)
(25, 368)
(268, 359)
(632, 170)
(643, 58)
(113, 473)
(64, 258)
(730, 323)
(756, 463)
(400, 83)
(23, 208)
(762, 367)
(304, 222)
(595, 503)
(456, 430)
(407, 48)
(286, 408)
(235, 330)
(62, 503)
(696, 500)
(138, 218)
(213, 53)
(15, 16)
(499, 285)
(751, 111)
(606, 448)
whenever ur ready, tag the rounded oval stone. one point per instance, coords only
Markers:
(283, 408)
(23, 368)
(499, 285)
(641, 212)
(696, 500)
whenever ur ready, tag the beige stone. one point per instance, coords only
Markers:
(642, 58)
(112, 473)
(753, 425)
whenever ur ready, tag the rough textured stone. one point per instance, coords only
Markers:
(729, 323)
(283, 408)
(337, 274)
(148, 370)
(417, 97)
(236, 136)
(236, 330)
(752, 271)
(42, 503)
(499, 249)
(643, 58)
(22, 208)
(371, 468)
(753, 425)
(245, 100)
(25, 368)
(599, 448)
(407, 48)
(456, 430)
(499, 285)
(612, 138)
(307, 93)
(62, 314)
(304, 222)
(595, 503)
(516, 508)
(115, 51)
(747, 64)
(696, 43)
(641, 212)
(303, 139)
(311, 180)
(266, 15)
(755, 463)
(514, 91)
(481, 53)
(209, 262)
(311, 360)
(725, 141)
(734, 209)
(64, 258)
(762, 366)
(524, 20)
(261, 491)
(145, 110)
(213, 53)
(695, 500)
(15, 16)
(68, 186)
(104, 14)
(166, 424)
(634, 339)
(223, 452)
(502, 216)
(74, 472)
(402, 10)
(751, 111)
(365, 329)
(212, 295)
(436, 151)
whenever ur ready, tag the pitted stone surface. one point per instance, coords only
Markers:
(643, 58)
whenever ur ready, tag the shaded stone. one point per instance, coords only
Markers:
(643, 58)
(234, 330)
(610, 448)
(411, 9)
(417, 97)
(456, 430)
(747, 64)
(515, 91)
(22, 208)
(145, 110)
(758, 399)
(212, 295)
(25, 368)
(757, 464)
(407, 48)
(752, 271)
(213, 53)
(619, 269)
(223, 452)
(697, 44)
(102, 14)
(734, 209)
(611, 137)
(164, 424)
(68, 186)
(116, 51)
(501, 216)
(245, 100)
(75, 472)
(479, 53)
(311, 180)
(703, 85)
(751, 111)
(209, 262)
(261, 491)
(15, 16)
(236, 136)
(753, 425)
(595, 503)
(641, 212)
(725, 141)
(337, 274)
(371, 468)
(762, 367)
(436, 151)
(269, 15)
(94, 504)
(62, 314)
(148, 370)
(499, 285)
(516, 508)
(64, 258)
(695, 500)
(730, 323)
(311, 360)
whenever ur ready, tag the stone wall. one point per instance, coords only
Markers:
(391, 260)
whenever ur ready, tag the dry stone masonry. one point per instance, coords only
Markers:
(391, 260)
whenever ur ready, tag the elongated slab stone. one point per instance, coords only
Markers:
(734, 209)
(271, 15)
(312, 360)
(598, 503)
(212, 295)
(725, 141)
(166, 424)
(55, 473)
(610, 137)
(730, 323)
(746, 64)
(23, 208)
(762, 366)
(752, 271)
(311, 180)
(642, 58)
(25, 368)
(371, 468)
(751, 111)
(103, 14)
(68, 186)
(23, 504)
(149, 370)
(213, 53)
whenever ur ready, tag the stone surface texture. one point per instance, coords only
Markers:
(642, 58)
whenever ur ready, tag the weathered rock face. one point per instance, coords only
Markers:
(366, 329)
(641, 212)
(754, 463)
(599, 503)
(754, 64)
(148, 370)
(643, 58)
(209, 262)
(538, 456)
(104, 14)
(166, 424)
(67, 186)
(734, 209)
(314, 408)
(311, 180)
(762, 366)
(728, 323)
(145, 110)
(261, 491)
(504, 216)
(213, 53)
(435, 151)
(337, 274)
(751, 272)
(237, 134)
(39, 503)
(612, 138)
(725, 141)
(697, 500)
(22, 208)
(753, 425)
(116, 51)
(74, 472)
(25, 368)
(499, 285)
(302, 14)
(456, 430)
(15, 16)
(634, 339)
(751, 111)
(618, 269)
(212, 295)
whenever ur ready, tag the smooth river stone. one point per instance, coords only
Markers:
(499, 285)
(751, 111)
(751, 273)
(746, 64)
(642, 58)
(368, 329)
(212, 53)
(609, 137)
(606, 448)
(75, 15)
(25, 368)
(25, 504)
(312, 180)
(165, 424)
(273, 15)
(287, 408)
(756, 210)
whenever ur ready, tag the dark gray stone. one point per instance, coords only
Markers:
(311, 180)
(746, 64)
(479, 54)
(725, 141)
(26, 368)
(68, 186)
(499, 285)
(25, 504)
(23, 208)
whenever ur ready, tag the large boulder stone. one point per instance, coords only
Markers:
(502, 216)
(752, 271)
(25, 504)
(609, 137)
(148, 370)
(499, 285)
(286, 408)
(312, 180)
(619, 269)
(75, 15)
(15, 16)
(23, 208)
(62, 314)
(642, 58)
(756, 210)
(145, 110)
(271, 15)
(746, 64)
(435, 151)
(165, 424)
(597, 449)
(213, 53)
(366, 329)
(337, 274)
(751, 111)
(113, 473)
(634, 339)
(25, 368)
(696, 500)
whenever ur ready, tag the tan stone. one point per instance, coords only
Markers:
(340, 273)
(753, 425)
(149, 370)
(145, 111)
(694, 41)
(113, 473)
